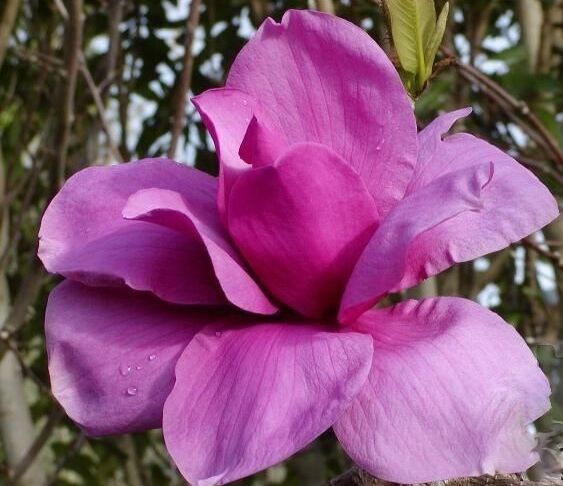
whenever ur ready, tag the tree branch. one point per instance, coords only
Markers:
(45, 434)
(73, 34)
(100, 108)
(515, 109)
(183, 87)
(554, 256)
(356, 477)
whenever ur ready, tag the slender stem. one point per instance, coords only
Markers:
(43, 437)
(514, 108)
(183, 87)
(73, 34)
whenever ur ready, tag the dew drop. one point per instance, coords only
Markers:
(152, 357)
(218, 333)
(244, 102)
(132, 391)
(125, 370)
(138, 367)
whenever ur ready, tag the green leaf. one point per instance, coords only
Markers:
(412, 24)
(435, 39)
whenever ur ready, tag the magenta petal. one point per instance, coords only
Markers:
(261, 146)
(451, 391)
(84, 237)
(301, 225)
(112, 354)
(322, 79)
(515, 203)
(246, 399)
(170, 209)
(226, 114)
(382, 264)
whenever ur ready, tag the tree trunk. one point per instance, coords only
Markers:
(17, 432)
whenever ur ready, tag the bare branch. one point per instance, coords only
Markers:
(192, 22)
(100, 108)
(515, 109)
(74, 448)
(45, 434)
(73, 34)
(554, 256)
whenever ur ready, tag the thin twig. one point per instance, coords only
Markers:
(46, 432)
(6, 344)
(25, 297)
(71, 452)
(192, 22)
(554, 256)
(73, 34)
(516, 108)
(497, 265)
(22, 210)
(99, 107)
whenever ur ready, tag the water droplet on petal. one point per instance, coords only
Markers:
(132, 391)
(125, 369)
(244, 102)
(138, 367)
(152, 357)
(218, 333)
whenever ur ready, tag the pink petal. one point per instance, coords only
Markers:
(261, 146)
(226, 114)
(112, 354)
(301, 225)
(246, 399)
(322, 79)
(515, 204)
(170, 209)
(382, 264)
(451, 391)
(84, 237)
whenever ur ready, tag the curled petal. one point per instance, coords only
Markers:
(301, 225)
(171, 210)
(247, 398)
(515, 203)
(383, 263)
(321, 79)
(84, 237)
(112, 354)
(261, 146)
(226, 114)
(451, 392)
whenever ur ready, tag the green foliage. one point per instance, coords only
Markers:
(416, 37)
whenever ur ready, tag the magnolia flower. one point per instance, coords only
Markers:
(238, 314)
